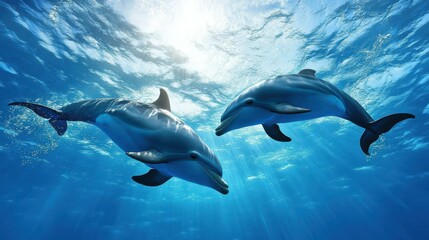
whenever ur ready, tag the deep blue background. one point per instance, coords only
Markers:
(319, 186)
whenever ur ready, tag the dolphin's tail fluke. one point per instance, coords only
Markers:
(376, 128)
(55, 117)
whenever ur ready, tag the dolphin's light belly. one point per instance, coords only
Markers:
(191, 171)
(130, 138)
(127, 137)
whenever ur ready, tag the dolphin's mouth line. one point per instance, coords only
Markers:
(220, 129)
(218, 179)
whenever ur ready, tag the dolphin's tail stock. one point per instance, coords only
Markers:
(55, 117)
(376, 128)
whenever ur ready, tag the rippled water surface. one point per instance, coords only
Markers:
(204, 53)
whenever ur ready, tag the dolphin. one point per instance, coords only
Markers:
(298, 97)
(149, 133)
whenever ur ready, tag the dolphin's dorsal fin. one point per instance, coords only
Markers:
(163, 101)
(308, 72)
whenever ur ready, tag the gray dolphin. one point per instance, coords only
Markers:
(148, 133)
(298, 97)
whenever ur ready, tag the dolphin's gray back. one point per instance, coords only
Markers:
(353, 110)
(310, 84)
(89, 110)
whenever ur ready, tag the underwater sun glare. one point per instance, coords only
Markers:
(185, 26)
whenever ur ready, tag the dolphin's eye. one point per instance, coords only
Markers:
(194, 156)
(249, 101)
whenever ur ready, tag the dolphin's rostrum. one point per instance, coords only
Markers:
(148, 133)
(299, 97)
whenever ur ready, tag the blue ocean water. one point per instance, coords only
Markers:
(319, 186)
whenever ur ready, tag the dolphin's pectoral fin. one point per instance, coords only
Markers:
(150, 157)
(284, 108)
(151, 178)
(308, 72)
(275, 133)
(163, 101)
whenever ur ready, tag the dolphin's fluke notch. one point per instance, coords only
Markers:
(55, 117)
(379, 127)
(152, 178)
